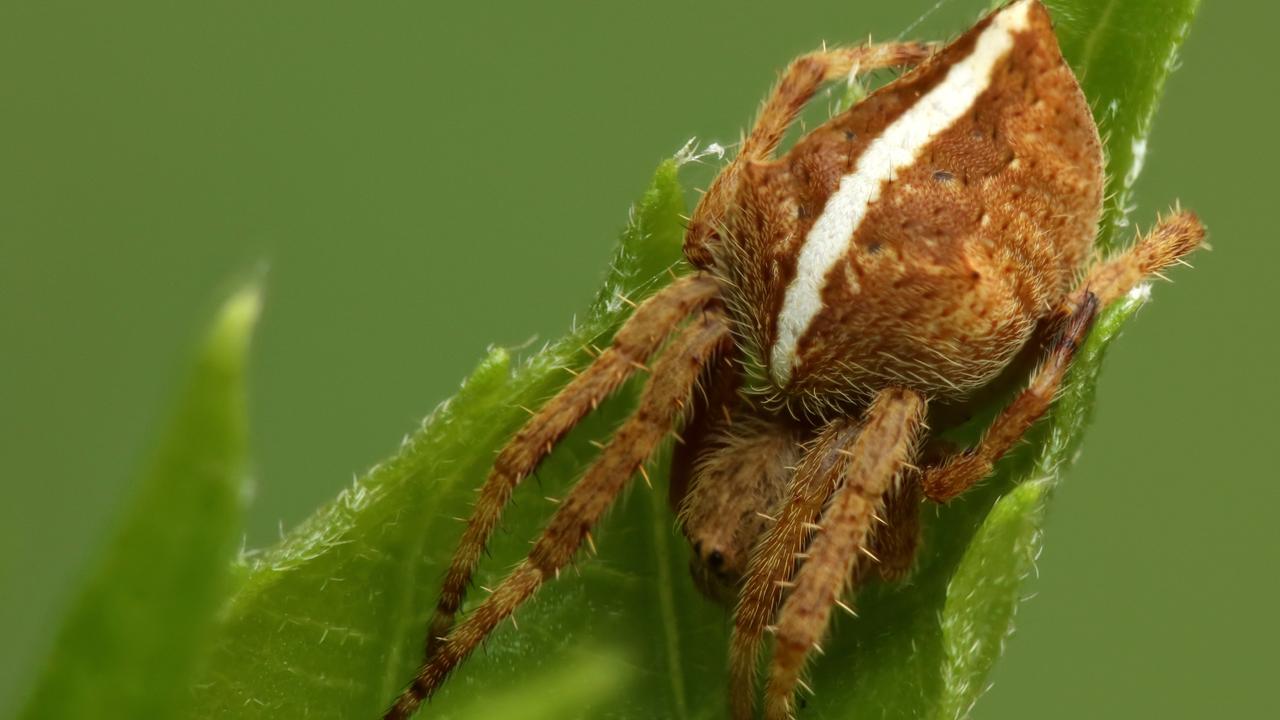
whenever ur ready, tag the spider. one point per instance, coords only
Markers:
(851, 299)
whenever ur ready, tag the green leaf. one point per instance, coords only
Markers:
(329, 623)
(132, 641)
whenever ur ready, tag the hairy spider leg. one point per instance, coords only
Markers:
(807, 74)
(799, 83)
(773, 560)
(963, 470)
(884, 448)
(1173, 237)
(633, 344)
(667, 391)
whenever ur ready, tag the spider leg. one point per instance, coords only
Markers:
(884, 447)
(1173, 237)
(798, 84)
(651, 324)
(773, 561)
(961, 471)
(668, 390)
(807, 74)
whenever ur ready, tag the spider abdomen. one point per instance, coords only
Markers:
(918, 238)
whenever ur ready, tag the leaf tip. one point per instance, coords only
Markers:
(228, 340)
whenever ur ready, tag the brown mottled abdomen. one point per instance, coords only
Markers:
(959, 255)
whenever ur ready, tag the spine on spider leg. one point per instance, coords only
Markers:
(650, 325)
(886, 443)
(896, 533)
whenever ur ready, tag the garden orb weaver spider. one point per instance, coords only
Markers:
(849, 298)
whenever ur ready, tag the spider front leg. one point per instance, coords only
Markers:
(651, 324)
(670, 387)
(884, 448)
(1173, 237)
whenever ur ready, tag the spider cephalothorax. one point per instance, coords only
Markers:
(892, 263)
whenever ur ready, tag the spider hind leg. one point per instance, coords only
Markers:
(1173, 237)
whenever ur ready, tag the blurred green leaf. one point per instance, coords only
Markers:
(329, 623)
(133, 638)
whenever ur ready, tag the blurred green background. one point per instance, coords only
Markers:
(426, 179)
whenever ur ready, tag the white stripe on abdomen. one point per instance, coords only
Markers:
(895, 149)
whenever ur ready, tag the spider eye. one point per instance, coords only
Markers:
(715, 559)
(701, 236)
